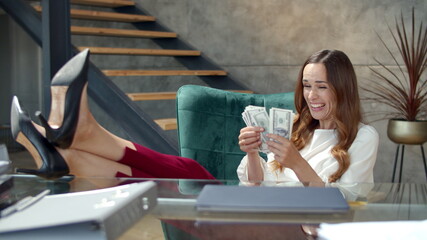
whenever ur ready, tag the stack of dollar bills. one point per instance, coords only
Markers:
(279, 121)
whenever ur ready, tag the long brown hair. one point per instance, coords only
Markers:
(343, 82)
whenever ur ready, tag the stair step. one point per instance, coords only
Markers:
(164, 95)
(164, 73)
(105, 16)
(138, 51)
(120, 32)
(167, 123)
(152, 96)
(104, 3)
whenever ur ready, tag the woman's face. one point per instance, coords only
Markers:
(319, 95)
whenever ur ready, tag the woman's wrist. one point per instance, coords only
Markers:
(305, 172)
(255, 173)
(300, 166)
(252, 156)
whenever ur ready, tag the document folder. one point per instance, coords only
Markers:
(97, 214)
(271, 199)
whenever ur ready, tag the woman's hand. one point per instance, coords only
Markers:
(250, 139)
(249, 142)
(284, 151)
(288, 156)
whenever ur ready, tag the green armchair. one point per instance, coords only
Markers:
(209, 122)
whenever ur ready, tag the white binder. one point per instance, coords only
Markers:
(97, 214)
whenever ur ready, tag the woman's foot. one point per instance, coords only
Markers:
(67, 88)
(50, 163)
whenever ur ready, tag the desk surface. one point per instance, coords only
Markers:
(177, 198)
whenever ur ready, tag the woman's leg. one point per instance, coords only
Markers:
(92, 138)
(84, 164)
(163, 165)
(135, 161)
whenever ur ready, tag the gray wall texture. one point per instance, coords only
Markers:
(261, 43)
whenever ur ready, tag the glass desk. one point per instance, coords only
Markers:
(177, 214)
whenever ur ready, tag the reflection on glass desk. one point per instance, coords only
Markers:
(177, 199)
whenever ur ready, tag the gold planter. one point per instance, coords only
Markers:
(407, 132)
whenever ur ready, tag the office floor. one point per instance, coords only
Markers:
(147, 228)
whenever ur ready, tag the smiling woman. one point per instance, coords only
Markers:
(329, 142)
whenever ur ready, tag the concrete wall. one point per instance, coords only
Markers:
(20, 69)
(262, 43)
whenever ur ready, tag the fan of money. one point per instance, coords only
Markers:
(279, 121)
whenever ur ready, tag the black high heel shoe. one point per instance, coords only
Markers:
(74, 76)
(24, 132)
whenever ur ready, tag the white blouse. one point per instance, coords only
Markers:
(363, 154)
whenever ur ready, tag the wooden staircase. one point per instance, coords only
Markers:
(166, 123)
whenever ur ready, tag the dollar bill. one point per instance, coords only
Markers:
(261, 119)
(257, 116)
(281, 121)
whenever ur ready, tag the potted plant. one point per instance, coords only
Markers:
(404, 90)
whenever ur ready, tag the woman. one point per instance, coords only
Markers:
(329, 143)
(72, 141)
